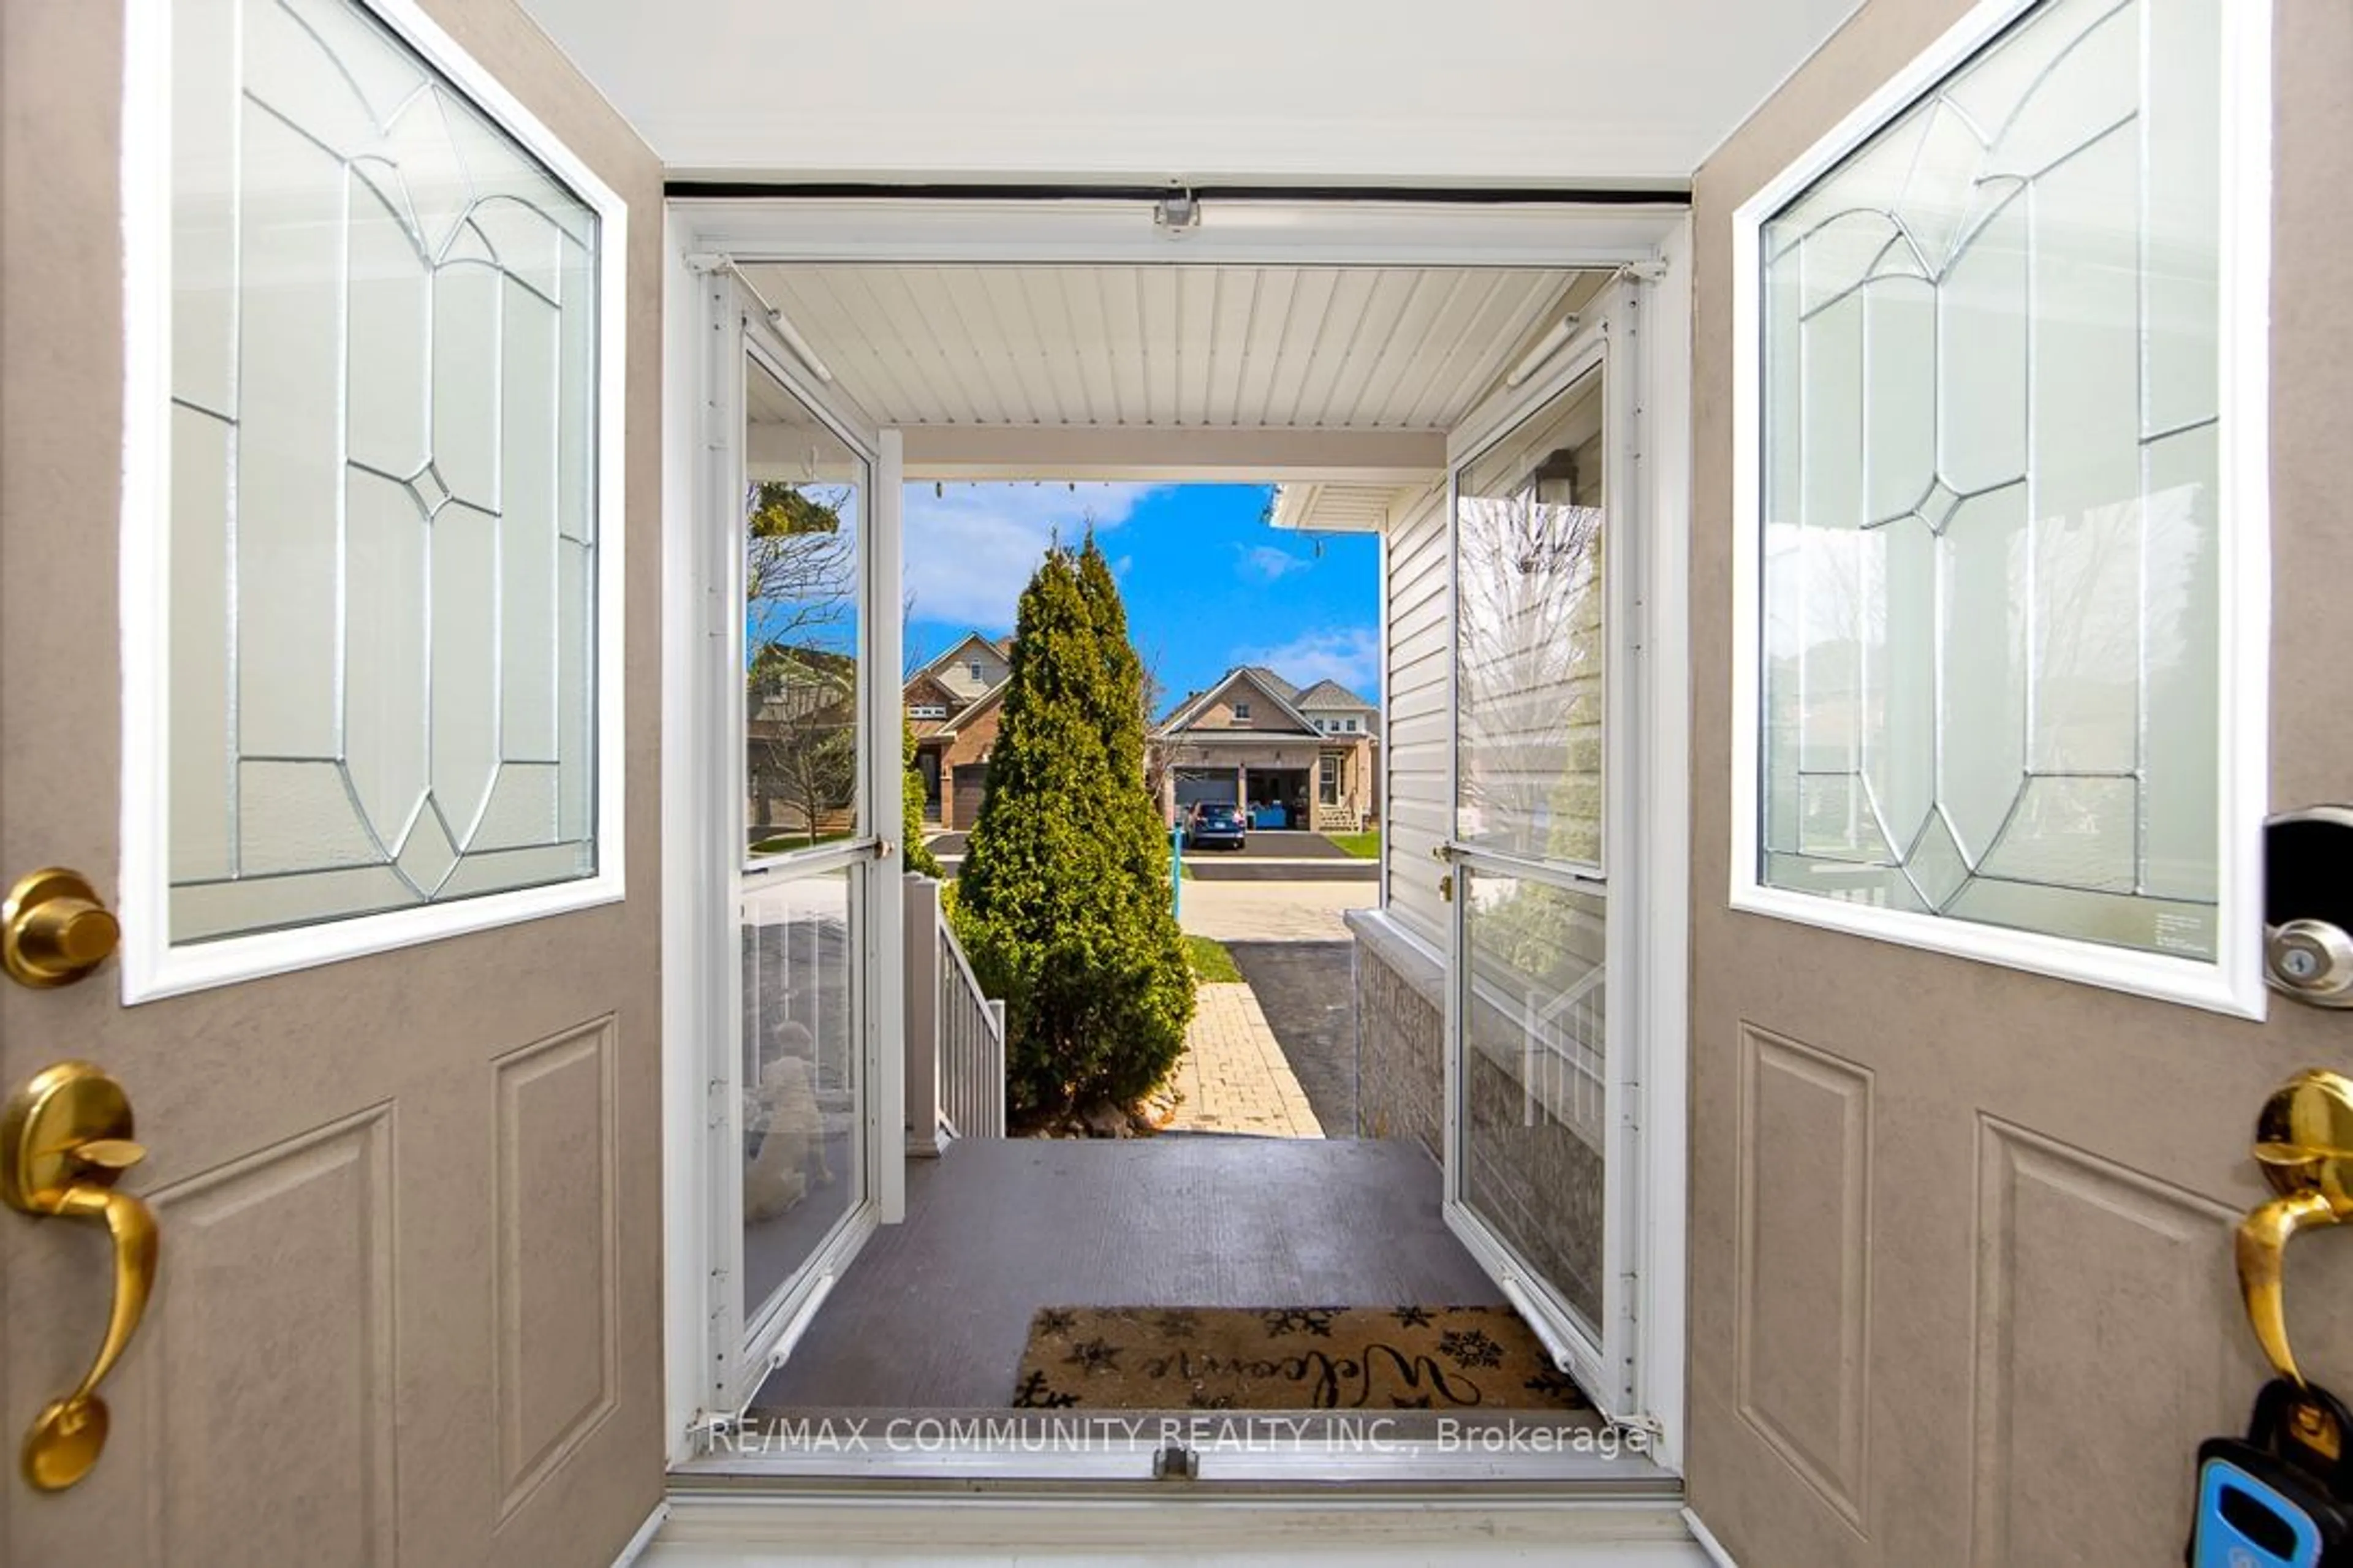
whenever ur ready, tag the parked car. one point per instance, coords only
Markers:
(1214, 826)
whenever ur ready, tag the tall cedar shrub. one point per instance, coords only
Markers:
(919, 853)
(1063, 899)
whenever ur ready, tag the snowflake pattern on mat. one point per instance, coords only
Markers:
(1315, 1320)
(1094, 1355)
(1056, 1321)
(1035, 1394)
(1411, 1317)
(1176, 1323)
(1557, 1385)
(1468, 1348)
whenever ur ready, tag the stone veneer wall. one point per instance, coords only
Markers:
(1536, 1183)
(1400, 1036)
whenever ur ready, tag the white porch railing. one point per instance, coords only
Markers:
(955, 1035)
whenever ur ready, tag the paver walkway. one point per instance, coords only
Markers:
(1233, 1076)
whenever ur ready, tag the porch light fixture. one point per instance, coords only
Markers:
(1547, 346)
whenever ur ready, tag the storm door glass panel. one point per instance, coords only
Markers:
(1530, 630)
(1533, 1076)
(1991, 349)
(801, 1036)
(804, 494)
(382, 547)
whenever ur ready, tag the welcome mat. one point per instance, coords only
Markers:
(1288, 1358)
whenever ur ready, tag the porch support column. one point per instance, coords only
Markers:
(921, 919)
(1242, 791)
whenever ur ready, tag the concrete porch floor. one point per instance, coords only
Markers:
(935, 1313)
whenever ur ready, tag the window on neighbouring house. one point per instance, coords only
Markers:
(1241, 712)
(974, 667)
(927, 711)
(1328, 784)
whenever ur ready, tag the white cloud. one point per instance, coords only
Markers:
(1349, 654)
(1267, 564)
(971, 549)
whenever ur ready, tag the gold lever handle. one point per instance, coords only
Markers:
(2304, 1141)
(65, 1141)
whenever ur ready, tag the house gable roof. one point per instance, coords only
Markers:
(1263, 683)
(1329, 694)
(923, 687)
(1002, 652)
(1274, 684)
(979, 705)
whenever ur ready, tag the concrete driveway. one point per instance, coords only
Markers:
(1306, 992)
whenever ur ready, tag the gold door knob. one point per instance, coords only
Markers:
(2304, 1141)
(65, 1141)
(54, 930)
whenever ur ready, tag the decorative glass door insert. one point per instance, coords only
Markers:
(1990, 419)
(382, 551)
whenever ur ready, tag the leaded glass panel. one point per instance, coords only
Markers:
(1989, 348)
(383, 544)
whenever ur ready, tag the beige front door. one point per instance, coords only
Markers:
(1961, 1270)
(408, 1306)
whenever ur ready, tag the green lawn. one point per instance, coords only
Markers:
(784, 843)
(1363, 846)
(1212, 964)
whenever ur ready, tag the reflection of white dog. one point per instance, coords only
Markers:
(785, 1107)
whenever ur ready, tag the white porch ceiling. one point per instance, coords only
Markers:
(1171, 348)
(1557, 92)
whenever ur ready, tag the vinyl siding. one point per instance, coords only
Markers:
(1415, 806)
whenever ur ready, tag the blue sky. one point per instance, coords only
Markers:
(1207, 584)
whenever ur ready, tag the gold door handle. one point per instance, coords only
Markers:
(65, 1141)
(2304, 1141)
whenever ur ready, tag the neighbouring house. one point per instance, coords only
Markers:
(953, 704)
(1292, 757)
(800, 741)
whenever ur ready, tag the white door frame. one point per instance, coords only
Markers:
(732, 1341)
(1655, 238)
(1608, 343)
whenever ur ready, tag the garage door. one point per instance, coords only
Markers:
(971, 784)
(1192, 789)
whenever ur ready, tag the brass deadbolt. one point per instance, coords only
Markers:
(54, 930)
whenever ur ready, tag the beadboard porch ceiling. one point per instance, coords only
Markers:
(1175, 347)
(1072, 370)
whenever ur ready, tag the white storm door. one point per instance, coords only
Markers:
(1542, 1032)
(804, 801)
